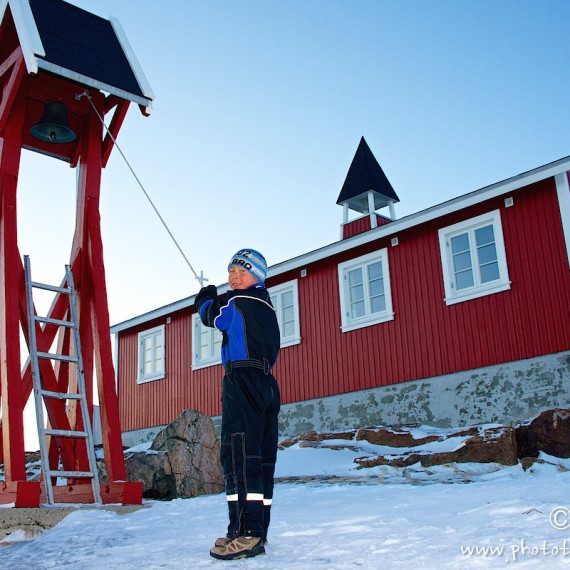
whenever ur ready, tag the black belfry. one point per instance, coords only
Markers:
(366, 187)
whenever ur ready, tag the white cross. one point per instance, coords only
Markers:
(202, 279)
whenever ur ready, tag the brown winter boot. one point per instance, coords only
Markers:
(223, 540)
(236, 548)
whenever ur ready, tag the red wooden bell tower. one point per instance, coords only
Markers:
(53, 52)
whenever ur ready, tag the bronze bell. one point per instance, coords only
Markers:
(53, 127)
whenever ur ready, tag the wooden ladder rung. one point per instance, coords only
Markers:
(71, 474)
(65, 433)
(54, 288)
(61, 395)
(56, 322)
(54, 356)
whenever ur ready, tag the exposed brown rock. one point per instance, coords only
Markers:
(491, 445)
(398, 461)
(193, 451)
(153, 469)
(549, 432)
(528, 462)
(184, 460)
(392, 438)
(313, 436)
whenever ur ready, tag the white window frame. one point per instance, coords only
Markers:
(159, 372)
(216, 357)
(276, 293)
(452, 295)
(369, 318)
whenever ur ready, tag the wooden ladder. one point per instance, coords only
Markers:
(41, 394)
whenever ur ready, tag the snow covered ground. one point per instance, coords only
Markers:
(457, 516)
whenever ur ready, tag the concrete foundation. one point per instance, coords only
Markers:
(512, 392)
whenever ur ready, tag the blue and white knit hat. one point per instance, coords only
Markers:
(252, 261)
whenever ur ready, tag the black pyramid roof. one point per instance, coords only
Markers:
(73, 43)
(365, 174)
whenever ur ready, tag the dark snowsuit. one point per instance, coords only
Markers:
(250, 402)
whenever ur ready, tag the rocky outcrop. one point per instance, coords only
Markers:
(315, 437)
(549, 432)
(394, 437)
(183, 460)
(406, 446)
(489, 445)
(155, 472)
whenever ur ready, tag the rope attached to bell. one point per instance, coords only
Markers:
(201, 279)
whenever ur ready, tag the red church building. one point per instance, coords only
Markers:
(458, 314)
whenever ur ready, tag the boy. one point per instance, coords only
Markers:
(250, 401)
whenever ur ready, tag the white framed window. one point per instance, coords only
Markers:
(473, 258)
(151, 354)
(365, 295)
(207, 344)
(285, 300)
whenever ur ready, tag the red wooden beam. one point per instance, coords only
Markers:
(10, 87)
(93, 290)
(116, 123)
(10, 280)
(125, 492)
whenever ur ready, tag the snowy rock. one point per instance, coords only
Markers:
(483, 444)
(405, 446)
(394, 437)
(155, 472)
(183, 460)
(313, 438)
(193, 451)
(489, 445)
(549, 432)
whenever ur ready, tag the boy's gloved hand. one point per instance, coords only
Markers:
(209, 292)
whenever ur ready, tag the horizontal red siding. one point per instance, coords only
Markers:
(158, 402)
(362, 224)
(426, 338)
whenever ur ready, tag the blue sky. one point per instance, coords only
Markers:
(259, 109)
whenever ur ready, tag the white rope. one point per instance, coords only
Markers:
(201, 277)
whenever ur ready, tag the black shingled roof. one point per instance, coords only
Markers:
(363, 175)
(83, 43)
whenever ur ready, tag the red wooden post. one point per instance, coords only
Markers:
(10, 282)
(92, 290)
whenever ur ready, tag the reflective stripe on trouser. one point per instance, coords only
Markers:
(250, 405)
(251, 497)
